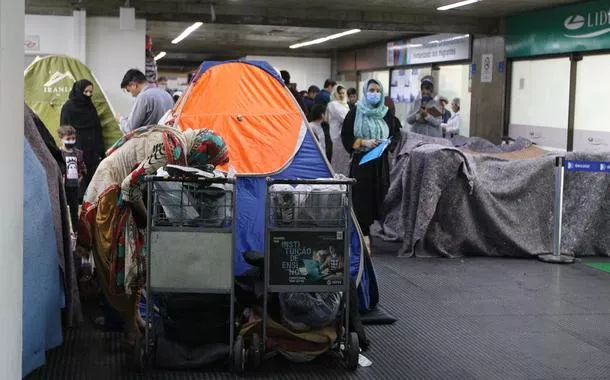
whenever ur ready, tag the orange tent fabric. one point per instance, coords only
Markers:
(253, 112)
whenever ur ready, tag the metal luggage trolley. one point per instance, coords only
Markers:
(190, 240)
(307, 247)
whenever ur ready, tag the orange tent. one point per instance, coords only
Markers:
(248, 105)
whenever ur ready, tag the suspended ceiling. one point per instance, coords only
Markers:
(241, 27)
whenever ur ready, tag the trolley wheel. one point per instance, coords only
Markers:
(255, 351)
(352, 352)
(239, 355)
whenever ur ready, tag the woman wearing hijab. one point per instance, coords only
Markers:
(336, 111)
(79, 112)
(364, 128)
(113, 215)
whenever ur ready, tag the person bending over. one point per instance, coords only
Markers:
(112, 220)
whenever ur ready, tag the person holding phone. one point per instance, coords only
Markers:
(365, 127)
(427, 118)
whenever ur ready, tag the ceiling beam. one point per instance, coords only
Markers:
(189, 11)
(239, 51)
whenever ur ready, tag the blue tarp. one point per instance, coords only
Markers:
(43, 294)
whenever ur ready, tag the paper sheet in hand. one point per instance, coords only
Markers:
(375, 153)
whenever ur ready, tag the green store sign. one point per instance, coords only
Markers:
(576, 28)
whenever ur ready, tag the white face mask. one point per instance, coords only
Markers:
(69, 143)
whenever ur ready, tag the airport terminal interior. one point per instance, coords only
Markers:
(281, 189)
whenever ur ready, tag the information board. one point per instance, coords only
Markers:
(306, 258)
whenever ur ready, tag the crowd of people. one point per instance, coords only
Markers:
(347, 128)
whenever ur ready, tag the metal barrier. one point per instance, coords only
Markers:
(561, 166)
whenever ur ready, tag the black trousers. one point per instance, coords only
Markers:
(370, 189)
(72, 198)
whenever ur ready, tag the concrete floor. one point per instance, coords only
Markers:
(476, 318)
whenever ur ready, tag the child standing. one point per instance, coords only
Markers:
(75, 170)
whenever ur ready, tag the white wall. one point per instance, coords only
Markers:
(11, 191)
(303, 71)
(111, 52)
(56, 34)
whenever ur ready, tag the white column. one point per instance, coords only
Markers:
(80, 35)
(12, 19)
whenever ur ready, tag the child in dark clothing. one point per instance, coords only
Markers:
(75, 170)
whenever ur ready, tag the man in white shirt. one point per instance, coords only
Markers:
(452, 127)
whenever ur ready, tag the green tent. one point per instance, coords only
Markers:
(48, 82)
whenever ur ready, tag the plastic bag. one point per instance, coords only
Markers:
(306, 311)
(176, 202)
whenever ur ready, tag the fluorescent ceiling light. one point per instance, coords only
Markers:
(324, 39)
(457, 5)
(186, 32)
(160, 55)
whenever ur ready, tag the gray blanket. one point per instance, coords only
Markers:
(445, 202)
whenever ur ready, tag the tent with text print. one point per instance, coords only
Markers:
(47, 84)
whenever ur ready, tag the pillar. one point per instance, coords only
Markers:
(488, 99)
(12, 20)
(80, 35)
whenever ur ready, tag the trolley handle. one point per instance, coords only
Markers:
(321, 181)
(191, 179)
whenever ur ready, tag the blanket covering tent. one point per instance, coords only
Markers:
(42, 289)
(267, 135)
(450, 202)
(48, 82)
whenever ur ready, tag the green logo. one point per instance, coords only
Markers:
(594, 24)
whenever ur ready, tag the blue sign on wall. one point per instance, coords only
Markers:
(588, 166)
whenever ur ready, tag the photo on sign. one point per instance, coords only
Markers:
(306, 258)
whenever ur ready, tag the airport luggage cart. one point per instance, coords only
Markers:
(307, 248)
(189, 246)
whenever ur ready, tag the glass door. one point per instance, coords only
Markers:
(454, 83)
(539, 103)
(591, 117)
